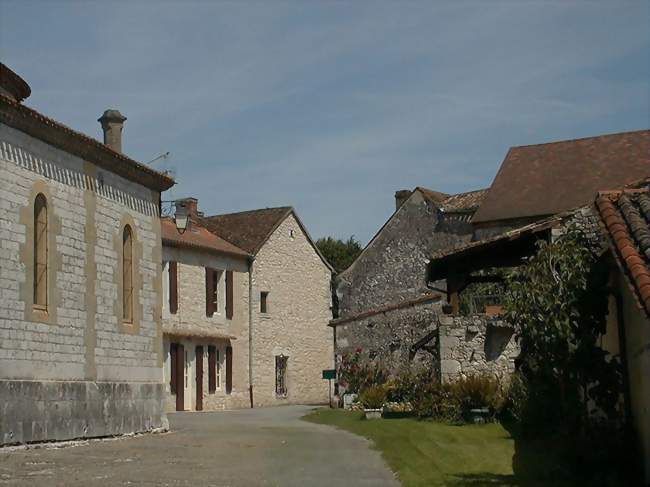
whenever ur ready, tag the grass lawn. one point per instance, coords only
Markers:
(426, 453)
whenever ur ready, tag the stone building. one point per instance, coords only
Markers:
(435, 246)
(80, 330)
(625, 219)
(290, 301)
(205, 317)
(386, 306)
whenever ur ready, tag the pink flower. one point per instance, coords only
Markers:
(358, 350)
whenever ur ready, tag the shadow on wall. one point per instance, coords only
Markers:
(496, 341)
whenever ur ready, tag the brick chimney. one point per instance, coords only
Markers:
(400, 197)
(191, 205)
(112, 122)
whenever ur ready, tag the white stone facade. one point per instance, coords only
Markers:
(297, 281)
(81, 337)
(191, 265)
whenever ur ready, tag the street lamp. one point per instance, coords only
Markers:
(181, 218)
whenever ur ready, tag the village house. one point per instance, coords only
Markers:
(290, 305)
(205, 317)
(625, 221)
(617, 226)
(390, 298)
(386, 306)
(80, 329)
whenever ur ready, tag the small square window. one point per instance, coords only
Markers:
(264, 297)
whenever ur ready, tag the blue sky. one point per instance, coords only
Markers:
(331, 106)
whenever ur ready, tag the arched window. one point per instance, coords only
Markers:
(40, 252)
(127, 275)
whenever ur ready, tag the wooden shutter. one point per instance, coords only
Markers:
(180, 375)
(199, 377)
(229, 295)
(212, 369)
(40, 251)
(173, 287)
(228, 369)
(127, 275)
(209, 292)
(173, 350)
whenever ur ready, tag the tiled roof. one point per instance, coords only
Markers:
(247, 230)
(48, 130)
(625, 216)
(468, 201)
(545, 179)
(198, 237)
(465, 201)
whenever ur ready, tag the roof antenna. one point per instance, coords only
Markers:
(161, 156)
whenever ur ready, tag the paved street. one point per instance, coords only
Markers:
(260, 447)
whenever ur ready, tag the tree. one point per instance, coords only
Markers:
(339, 253)
(558, 304)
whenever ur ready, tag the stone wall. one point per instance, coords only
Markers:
(295, 325)
(191, 264)
(419, 337)
(389, 337)
(392, 267)
(471, 345)
(81, 336)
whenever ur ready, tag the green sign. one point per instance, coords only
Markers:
(329, 374)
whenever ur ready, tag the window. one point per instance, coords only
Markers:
(40, 252)
(127, 275)
(211, 291)
(173, 287)
(281, 375)
(214, 369)
(228, 369)
(264, 296)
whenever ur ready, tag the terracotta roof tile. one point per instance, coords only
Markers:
(198, 237)
(468, 201)
(626, 222)
(247, 229)
(545, 179)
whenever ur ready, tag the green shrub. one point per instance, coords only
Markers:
(431, 399)
(373, 397)
(400, 387)
(477, 391)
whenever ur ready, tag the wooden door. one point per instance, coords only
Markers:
(180, 385)
(199, 378)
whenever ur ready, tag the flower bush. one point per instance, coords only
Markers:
(357, 373)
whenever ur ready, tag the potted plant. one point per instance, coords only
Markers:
(373, 399)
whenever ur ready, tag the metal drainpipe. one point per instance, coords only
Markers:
(250, 328)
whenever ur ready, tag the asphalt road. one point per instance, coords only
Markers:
(258, 447)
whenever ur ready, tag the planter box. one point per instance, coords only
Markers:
(348, 399)
(373, 413)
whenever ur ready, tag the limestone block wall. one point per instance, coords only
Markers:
(81, 337)
(299, 309)
(191, 264)
(471, 345)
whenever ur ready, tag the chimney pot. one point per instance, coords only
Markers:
(400, 197)
(112, 123)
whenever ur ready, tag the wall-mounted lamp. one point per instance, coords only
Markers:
(181, 218)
